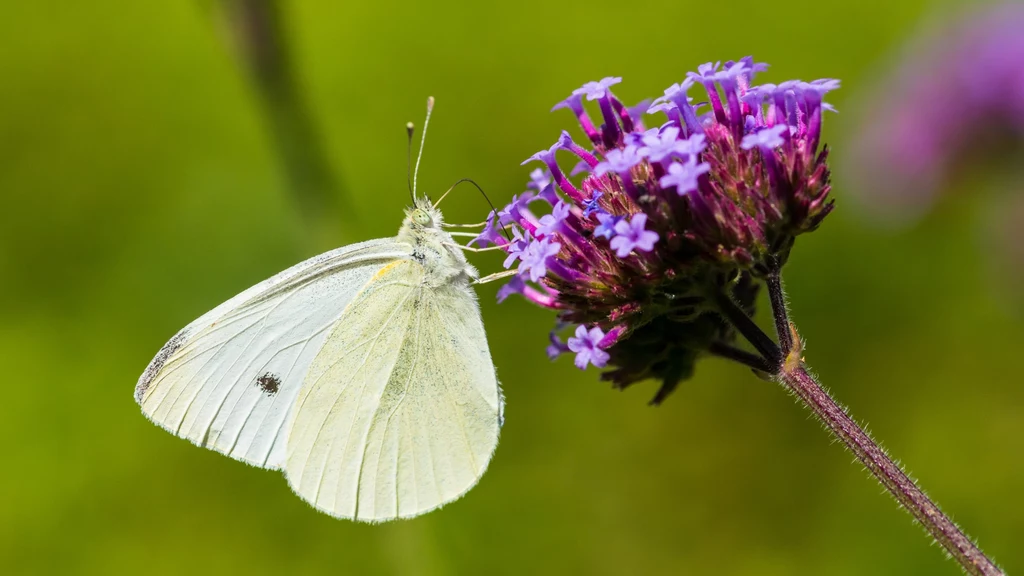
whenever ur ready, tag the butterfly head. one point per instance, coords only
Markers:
(432, 246)
(423, 216)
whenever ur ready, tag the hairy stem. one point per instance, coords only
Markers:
(792, 374)
(887, 472)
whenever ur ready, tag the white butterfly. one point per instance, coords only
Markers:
(362, 373)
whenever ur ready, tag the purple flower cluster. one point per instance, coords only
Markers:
(955, 99)
(665, 219)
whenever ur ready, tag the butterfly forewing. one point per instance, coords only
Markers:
(229, 380)
(400, 409)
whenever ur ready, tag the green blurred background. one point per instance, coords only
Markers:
(143, 182)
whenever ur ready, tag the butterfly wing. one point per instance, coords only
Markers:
(228, 380)
(400, 411)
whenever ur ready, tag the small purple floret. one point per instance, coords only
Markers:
(632, 235)
(596, 90)
(552, 223)
(573, 102)
(545, 156)
(619, 161)
(659, 146)
(765, 139)
(693, 145)
(534, 260)
(667, 145)
(517, 247)
(512, 213)
(490, 233)
(684, 175)
(677, 91)
(753, 98)
(606, 228)
(753, 67)
(592, 205)
(556, 348)
(637, 138)
(661, 105)
(539, 179)
(585, 345)
(549, 195)
(514, 286)
(705, 70)
(821, 86)
(730, 73)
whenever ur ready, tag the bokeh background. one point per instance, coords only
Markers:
(151, 167)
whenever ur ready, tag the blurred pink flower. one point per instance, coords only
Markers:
(955, 99)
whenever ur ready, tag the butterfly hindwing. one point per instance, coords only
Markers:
(400, 410)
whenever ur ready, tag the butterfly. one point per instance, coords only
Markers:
(363, 374)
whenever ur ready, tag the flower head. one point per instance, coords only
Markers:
(662, 224)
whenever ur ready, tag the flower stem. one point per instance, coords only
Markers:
(887, 472)
(748, 328)
(779, 312)
(792, 374)
(752, 361)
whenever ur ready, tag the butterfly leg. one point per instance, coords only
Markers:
(496, 276)
(478, 225)
(470, 249)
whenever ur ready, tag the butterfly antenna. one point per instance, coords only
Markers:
(409, 128)
(484, 194)
(423, 139)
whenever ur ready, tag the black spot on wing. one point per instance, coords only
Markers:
(157, 364)
(269, 384)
